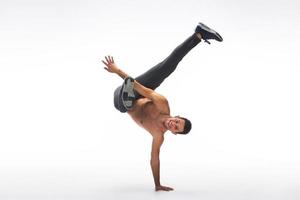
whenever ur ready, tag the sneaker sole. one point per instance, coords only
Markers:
(128, 89)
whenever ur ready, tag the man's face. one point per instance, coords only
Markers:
(174, 124)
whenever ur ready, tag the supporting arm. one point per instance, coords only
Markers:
(155, 163)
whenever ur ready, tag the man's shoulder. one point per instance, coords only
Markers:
(158, 135)
(159, 97)
(158, 138)
(160, 105)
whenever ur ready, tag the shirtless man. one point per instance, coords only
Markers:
(149, 109)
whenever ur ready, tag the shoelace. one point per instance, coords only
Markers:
(207, 41)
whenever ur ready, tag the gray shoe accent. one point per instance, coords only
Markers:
(127, 103)
(128, 87)
(128, 95)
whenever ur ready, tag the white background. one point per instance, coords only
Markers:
(61, 138)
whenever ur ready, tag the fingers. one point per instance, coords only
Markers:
(167, 188)
(109, 59)
(164, 188)
(105, 63)
(108, 63)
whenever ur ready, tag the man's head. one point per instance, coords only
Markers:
(178, 125)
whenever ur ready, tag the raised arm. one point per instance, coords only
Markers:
(112, 67)
(142, 90)
(155, 163)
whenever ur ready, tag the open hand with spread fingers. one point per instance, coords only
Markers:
(110, 64)
(163, 188)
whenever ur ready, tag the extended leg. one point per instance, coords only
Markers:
(157, 74)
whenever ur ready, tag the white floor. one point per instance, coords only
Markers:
(92, 181)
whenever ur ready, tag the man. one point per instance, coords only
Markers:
(149, 109)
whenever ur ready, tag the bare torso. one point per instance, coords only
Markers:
(147, 115)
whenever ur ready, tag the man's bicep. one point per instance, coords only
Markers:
(158, 99)
(147, 92)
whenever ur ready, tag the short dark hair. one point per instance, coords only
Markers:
(187, 126)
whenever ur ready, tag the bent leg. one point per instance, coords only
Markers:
(117, 100)
(157, 74)
(124, 95)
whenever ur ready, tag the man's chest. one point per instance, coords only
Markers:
(148, 117)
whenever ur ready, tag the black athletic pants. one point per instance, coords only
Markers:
(157, 74)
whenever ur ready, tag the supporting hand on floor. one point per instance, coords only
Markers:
(163, 188)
